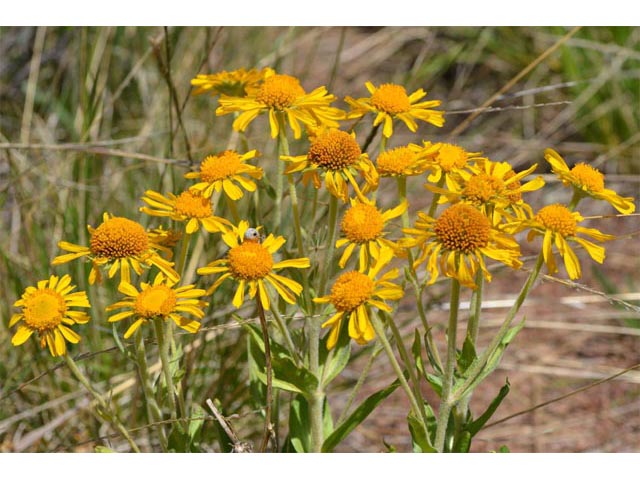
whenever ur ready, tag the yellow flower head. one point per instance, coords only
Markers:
(558, 225)
(236, 83)
(337, 155)
(189, 207)
(283, 95)
(493, 187)
(165, 238)
(47, 310)
(250, 262)
(390, 101)
(449, 161)
(457, 242)
(223, 171)
(159, 300)
(363, 227)
(587, 180)
(406, 161)
(353, 292)
(122, 245)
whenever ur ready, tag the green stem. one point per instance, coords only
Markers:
(285, 332)
(281, 145)
(446, 403)
(436, 197)
(184, 248)
(268, 428)
(406, 359)
(476, 368)
(233, 209)
(331, 243)
(155, 414)
(473, 327)
(379, 329)
(363, 375)
(106, 409)
(577, 196)
(163, 347)
(431, 345)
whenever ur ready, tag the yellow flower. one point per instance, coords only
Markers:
(189, 207)
(46, 309)
(165, 238)
(406, 161)
(159, 300)
(363, 226)
(282, 94)
(337, 155)
(493, 187)
(250, 262)
(236, 83)
(450, 160)
(122, 245)
(390, 101)
(457, 241)
(587, 180)
(558, 225)
(219, 172)
(353, 292)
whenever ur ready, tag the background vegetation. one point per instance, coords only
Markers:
(92, 117)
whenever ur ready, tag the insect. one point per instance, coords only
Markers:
(252, 235)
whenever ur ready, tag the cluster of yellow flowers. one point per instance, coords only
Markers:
(483, 200)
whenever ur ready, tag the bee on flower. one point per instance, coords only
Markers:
(249, 262)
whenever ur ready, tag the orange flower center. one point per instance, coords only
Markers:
(350, 291)
(451, 157)
(44, 309)
(557, 218)
(391, 98)
(462, 228)
(589, 177)
(279, 91)
(334, 150)
(362, 223)
(249, 261)
(192, 205)
(155, 301)
(218, 167)
(396, 161)
(119, 237)
(482, 188)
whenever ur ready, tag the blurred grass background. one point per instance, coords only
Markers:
(92, 117)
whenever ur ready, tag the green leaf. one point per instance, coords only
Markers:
(492, 361)
(503, 449)
(198, 415)
(432, 359)
(286, 374)
(103, 449)
(468, 354)
(416, 349)
(419, 438)
(436, 383)
(299, 431)
(357, 417)
(334, 362)
(475, 426)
